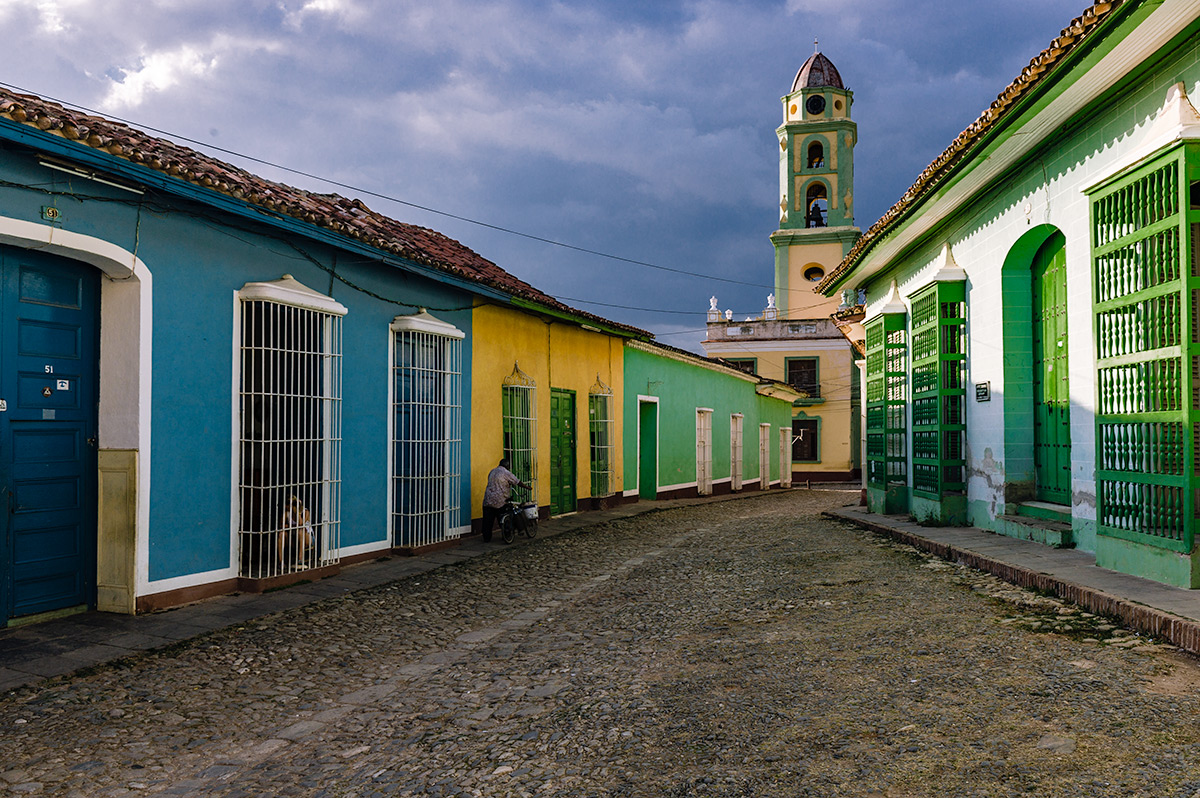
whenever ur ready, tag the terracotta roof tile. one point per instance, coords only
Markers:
(347, 217)
(1071, 37)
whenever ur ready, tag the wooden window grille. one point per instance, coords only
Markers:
(704, 451)
(887, 401)
(426, 431)
(764, 456)
(735, 451)
(806, 444)
(601, 426)
(519, 418)
(1144, 255)
(938, 393)
(290, 411)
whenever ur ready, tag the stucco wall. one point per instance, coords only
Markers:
(681, 388)
(556, 354)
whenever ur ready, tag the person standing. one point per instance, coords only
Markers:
(500, 483)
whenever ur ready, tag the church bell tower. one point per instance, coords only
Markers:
(816, 187)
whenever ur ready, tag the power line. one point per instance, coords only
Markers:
(386, 197)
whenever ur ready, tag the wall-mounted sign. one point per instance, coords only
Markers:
(64, 385)
(983, 392)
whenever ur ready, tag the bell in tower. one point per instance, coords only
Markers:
(816, 182)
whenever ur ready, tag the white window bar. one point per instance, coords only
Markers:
(519, 408)
(735, 451)
(426, 430)
(704, 451)
(290, 420)
(603, 441)
(764, 456)
(785, 457)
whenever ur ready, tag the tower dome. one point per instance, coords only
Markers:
(816, 72)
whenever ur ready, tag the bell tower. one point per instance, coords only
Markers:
(816, 187)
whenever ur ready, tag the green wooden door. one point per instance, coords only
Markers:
(562, 451)
(648, 450)
(1051, 389)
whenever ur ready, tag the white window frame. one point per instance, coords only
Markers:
(522, 454)
(704, 451)
(764, 456)
(431, 493)
(291, 538)
(735, 451)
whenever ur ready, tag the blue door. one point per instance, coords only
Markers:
(48, 387)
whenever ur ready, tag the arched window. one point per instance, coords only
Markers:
(816, 206)
(816, 155)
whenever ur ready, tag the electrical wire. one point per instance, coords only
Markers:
(387, 197)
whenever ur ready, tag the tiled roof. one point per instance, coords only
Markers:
(816, 72)
(347, 217)
(1071, 37)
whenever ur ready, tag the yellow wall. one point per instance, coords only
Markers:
(802, 303)
(555, 354)
(835, 370)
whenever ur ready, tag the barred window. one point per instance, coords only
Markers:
(289, 407)
(519, 419)
(426, 430)
(602, 438)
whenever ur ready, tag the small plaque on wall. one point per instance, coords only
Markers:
(983, 392)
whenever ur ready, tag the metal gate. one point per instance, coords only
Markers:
(48, 415)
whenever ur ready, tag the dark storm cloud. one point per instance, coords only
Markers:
(645, 130)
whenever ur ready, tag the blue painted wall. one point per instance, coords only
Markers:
(199, 258)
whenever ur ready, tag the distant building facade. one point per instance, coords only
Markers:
(794, 339)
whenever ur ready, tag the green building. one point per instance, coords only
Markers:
(1033, 306)
(695, 426)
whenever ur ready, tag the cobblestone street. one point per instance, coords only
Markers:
(744, 648)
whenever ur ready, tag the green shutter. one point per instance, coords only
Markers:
(1146, 289)
(887, 403)
(939, 389)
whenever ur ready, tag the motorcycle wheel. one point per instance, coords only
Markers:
(531, 528)
(507, 532)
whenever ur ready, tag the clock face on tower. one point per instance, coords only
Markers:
(815, 104)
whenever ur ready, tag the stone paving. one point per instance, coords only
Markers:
(745, 648)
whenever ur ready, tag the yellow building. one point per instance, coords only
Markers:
(544, 390)
(794, 339)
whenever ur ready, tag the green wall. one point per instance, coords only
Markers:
(680, 388)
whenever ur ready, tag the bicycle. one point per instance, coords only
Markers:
(516, 518)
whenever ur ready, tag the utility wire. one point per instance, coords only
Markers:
(387, 197)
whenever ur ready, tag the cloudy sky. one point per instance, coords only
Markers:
(642, 129)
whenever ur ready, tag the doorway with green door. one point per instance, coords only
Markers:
(562, 451)
(1051, 386)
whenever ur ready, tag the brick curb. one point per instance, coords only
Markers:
(1179, 631)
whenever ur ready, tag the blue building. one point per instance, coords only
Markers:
(211, 382)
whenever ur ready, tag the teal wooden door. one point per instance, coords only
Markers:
(49, 385)
(562, 451)
(648, 450)
(1051, 389)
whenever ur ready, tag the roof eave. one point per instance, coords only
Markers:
(961, 181)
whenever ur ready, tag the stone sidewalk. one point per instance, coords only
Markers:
(30, 654)
(1169, 613)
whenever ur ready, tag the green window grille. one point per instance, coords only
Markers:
(602, 438)
(938, 390)
(887, 400)
(1146, 284)
(518, 402)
